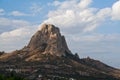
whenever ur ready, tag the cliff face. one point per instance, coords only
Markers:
(48, 40)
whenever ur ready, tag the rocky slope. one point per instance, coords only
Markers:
(48, 54)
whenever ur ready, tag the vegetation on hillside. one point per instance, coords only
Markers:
(3, 77)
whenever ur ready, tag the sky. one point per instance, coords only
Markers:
(91, 27)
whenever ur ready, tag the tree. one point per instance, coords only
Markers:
(2, 52)
(76, 55)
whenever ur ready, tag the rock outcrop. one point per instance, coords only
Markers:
(48, 40)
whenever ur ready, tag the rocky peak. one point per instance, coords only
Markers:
(48, 40)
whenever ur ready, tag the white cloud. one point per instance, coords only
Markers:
(94, 44)
(84, 3)
(35, 9)
(103, 13)
(116, 11)
(95, 20)
(77, 14)
(17, 38)
(15, 33)
(95, 37)
(5, 22)
(2, 11)
(18, 13)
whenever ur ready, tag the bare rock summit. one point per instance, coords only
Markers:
(48, 40)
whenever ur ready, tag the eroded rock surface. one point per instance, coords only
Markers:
(49, 41)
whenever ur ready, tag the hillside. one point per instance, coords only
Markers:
(48, 56)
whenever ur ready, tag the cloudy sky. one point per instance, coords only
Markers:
(91, 27)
